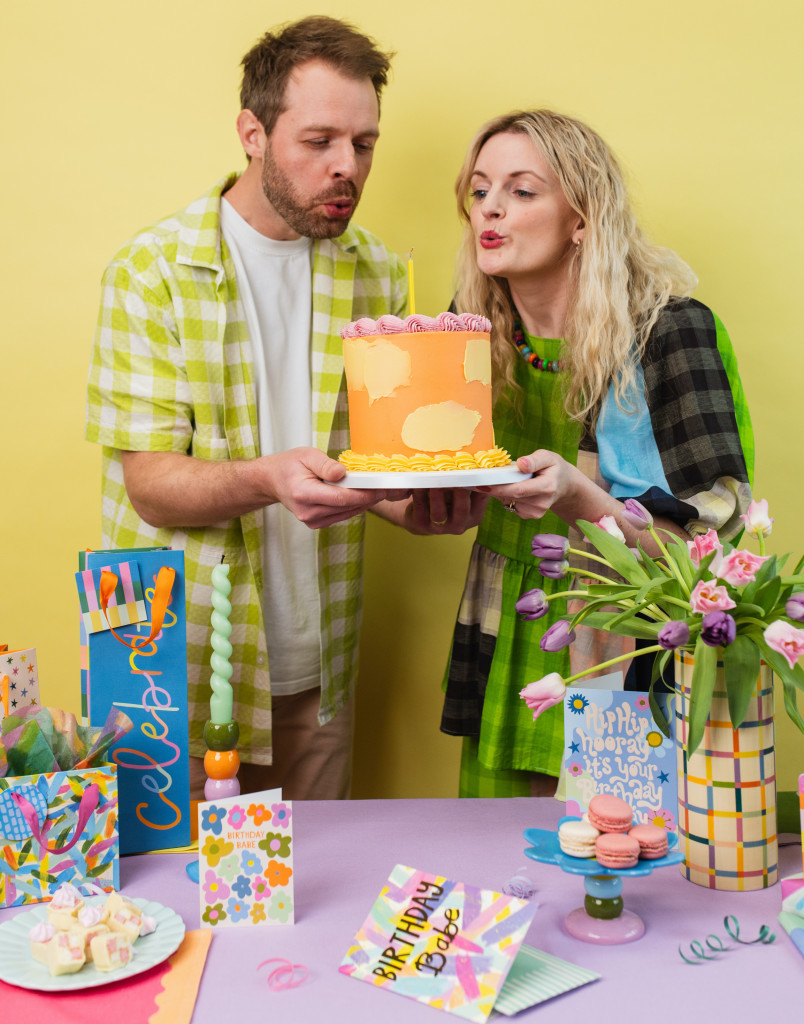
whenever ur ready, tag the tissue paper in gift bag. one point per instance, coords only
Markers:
(57, 827)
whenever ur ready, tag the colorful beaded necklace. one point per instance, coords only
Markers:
(548, 365)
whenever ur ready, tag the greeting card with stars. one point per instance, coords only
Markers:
(614, 746)
(245, 860)
(19, 679)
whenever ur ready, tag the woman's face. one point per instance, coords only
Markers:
(524, 227)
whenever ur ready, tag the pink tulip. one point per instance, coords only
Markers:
(739, 567)
(706, 597)
(786, 639)
(757, 521)
(544, 693)
(609, 524)
(704, 545)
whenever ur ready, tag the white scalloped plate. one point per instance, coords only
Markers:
(435, 478)
(18, 967)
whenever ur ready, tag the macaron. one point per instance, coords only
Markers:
(577, 838)
(615, 850)
(609, 813)
(652, 841)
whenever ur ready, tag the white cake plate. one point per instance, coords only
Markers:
(435, 478)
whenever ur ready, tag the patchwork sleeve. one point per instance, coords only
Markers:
(138, 395)
(700, 421)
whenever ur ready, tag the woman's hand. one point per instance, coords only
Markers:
(554, 484)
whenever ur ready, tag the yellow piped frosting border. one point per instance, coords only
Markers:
(492, 458)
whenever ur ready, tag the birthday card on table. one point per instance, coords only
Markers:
(245, 860)
(612, 745)
(440, 942)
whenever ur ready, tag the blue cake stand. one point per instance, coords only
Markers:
(602, 918)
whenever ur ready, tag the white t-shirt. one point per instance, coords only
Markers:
(274, 280)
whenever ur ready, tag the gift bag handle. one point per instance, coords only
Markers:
(87, 807)
(164, 585)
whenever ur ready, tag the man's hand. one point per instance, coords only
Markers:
(173, 489)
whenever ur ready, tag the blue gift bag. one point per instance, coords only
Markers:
(136, 659)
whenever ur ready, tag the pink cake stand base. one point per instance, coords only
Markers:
(628, 927)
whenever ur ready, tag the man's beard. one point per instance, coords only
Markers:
(303, 217)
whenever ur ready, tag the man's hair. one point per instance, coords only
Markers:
(269, 63)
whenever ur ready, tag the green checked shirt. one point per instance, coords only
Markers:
(172, 371)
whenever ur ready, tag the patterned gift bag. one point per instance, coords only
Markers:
(58, 827)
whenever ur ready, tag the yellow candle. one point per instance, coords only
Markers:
(410, 283)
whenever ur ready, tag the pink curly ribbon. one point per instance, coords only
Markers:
(274, 979)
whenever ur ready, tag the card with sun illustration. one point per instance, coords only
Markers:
(612, 745)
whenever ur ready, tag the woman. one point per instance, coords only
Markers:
(619, 386)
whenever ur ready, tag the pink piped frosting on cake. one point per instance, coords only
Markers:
(416, 323)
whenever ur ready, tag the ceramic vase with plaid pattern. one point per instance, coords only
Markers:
(727, 788)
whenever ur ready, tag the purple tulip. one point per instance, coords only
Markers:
(636, 514)
(794, 608)
(674, 634)
(549, 545)
(557, 637)
(718, 629)
(553, 569)
(532, 604)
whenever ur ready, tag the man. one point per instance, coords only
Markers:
(216, 390)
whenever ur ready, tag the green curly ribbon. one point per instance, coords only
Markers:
(715, 945)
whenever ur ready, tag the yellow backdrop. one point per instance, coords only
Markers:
(114, 115)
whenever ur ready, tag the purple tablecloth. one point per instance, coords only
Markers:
(344, 851)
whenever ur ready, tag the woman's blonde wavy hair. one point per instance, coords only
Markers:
(619, 282)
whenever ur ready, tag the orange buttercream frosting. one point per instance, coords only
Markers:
(419, 393)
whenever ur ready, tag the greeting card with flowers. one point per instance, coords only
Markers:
(245, 860)
(612, 745)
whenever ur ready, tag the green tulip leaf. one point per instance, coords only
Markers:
(589, 610)
(791, 704)
(768, 594)
(702, 688)
(656, 583)
(617, 554)
(653, 568)
(611, 590)
(741, 661)
(678, 551)
(656, 709)
(637, 628)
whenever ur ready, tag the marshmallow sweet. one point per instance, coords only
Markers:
(111, 951)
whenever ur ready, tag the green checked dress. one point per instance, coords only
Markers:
(685, 453)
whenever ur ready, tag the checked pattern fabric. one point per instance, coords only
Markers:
(727, 789)
(172, 371)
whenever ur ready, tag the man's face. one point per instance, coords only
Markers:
(318, 156)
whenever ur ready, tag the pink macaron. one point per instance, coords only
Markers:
(652, 841)
(615, 850)
(609, 813)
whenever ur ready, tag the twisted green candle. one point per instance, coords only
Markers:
(220, 703)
